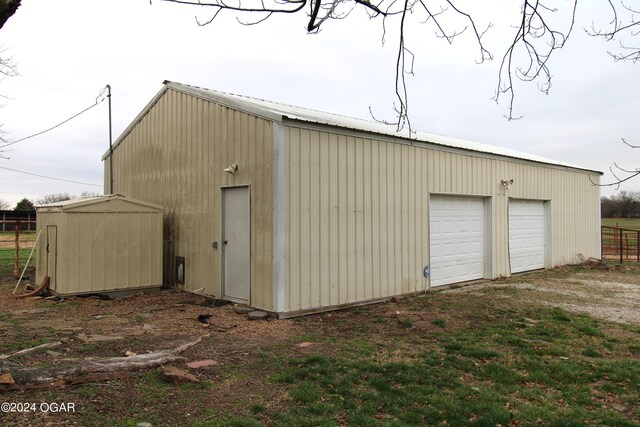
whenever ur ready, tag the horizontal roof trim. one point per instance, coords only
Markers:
(283, 112)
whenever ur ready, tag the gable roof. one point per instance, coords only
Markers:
(284, 112)
(95, 200)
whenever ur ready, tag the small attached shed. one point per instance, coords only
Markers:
(293, 210)
(99, 244)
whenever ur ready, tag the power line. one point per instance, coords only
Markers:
(99, 99)
(50, 177)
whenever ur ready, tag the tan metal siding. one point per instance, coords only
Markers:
(351, 221)
(103, 249)
(357, 212)
(175, 157)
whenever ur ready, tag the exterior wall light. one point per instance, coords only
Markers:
(506, 183)
(231, 169)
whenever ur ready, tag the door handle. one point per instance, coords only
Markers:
(224, 243)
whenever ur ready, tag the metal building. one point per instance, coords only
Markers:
(293, 210)
(99, 244)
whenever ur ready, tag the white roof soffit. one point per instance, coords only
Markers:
(281, 112)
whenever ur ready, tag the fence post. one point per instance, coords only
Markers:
(621, 244)
(601, 242)
(17, 263)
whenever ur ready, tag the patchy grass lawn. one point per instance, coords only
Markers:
(501, 355)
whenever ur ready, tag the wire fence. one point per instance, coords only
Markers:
(16, 246)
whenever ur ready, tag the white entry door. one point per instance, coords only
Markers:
(236, 244)
(526, 235)
(457, 239)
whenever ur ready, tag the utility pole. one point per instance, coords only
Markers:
(110, 144)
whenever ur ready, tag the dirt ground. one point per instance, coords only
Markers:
(142, 323)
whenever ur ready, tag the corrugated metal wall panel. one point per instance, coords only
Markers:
(175, 157)
(103, 250)
(98, 234)
(357, 212)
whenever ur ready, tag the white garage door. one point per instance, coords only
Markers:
(526, 235)
(456, 239)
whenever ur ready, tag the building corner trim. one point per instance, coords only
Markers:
(279, 217)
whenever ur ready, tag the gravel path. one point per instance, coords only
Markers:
(612, 295)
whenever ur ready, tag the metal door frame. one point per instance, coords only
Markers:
(222, 238)
(487, 230)
(548, 247)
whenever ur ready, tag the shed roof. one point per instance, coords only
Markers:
(89, 201)
(283, 112)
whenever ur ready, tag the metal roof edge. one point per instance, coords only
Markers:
(233, 101)
(74, 203)
(282, 112)
(137, 119)
(222, 98)
(446, 142)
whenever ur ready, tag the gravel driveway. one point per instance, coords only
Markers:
(612, 294)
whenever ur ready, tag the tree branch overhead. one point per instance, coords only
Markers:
(544, 26)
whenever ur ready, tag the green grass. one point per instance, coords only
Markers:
(7, 255)
(482, 361)
(7, 260)
(487, 375)
(439, 322)
(631, 223)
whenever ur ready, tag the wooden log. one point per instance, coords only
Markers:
(74, 371)
(29, 350)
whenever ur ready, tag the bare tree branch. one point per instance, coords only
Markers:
(619, 28)
(617, 170)
(321, 11)
(630, 145)
(537, 41)
(537, 35)
(7, 69)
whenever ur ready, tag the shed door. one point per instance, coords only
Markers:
(236, 244)
(456, 239)
(51, 248)
(526, 235)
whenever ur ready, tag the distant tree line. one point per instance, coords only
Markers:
(625, 204)
(27, 205)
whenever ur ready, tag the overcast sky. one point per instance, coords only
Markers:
(67, 51)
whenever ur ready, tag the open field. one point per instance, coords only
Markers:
(630, 223)
(8, 252)
(624, 239)
(7, 260)
(559, 347)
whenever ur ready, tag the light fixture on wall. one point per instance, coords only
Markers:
(231, 169)
(506, 183)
